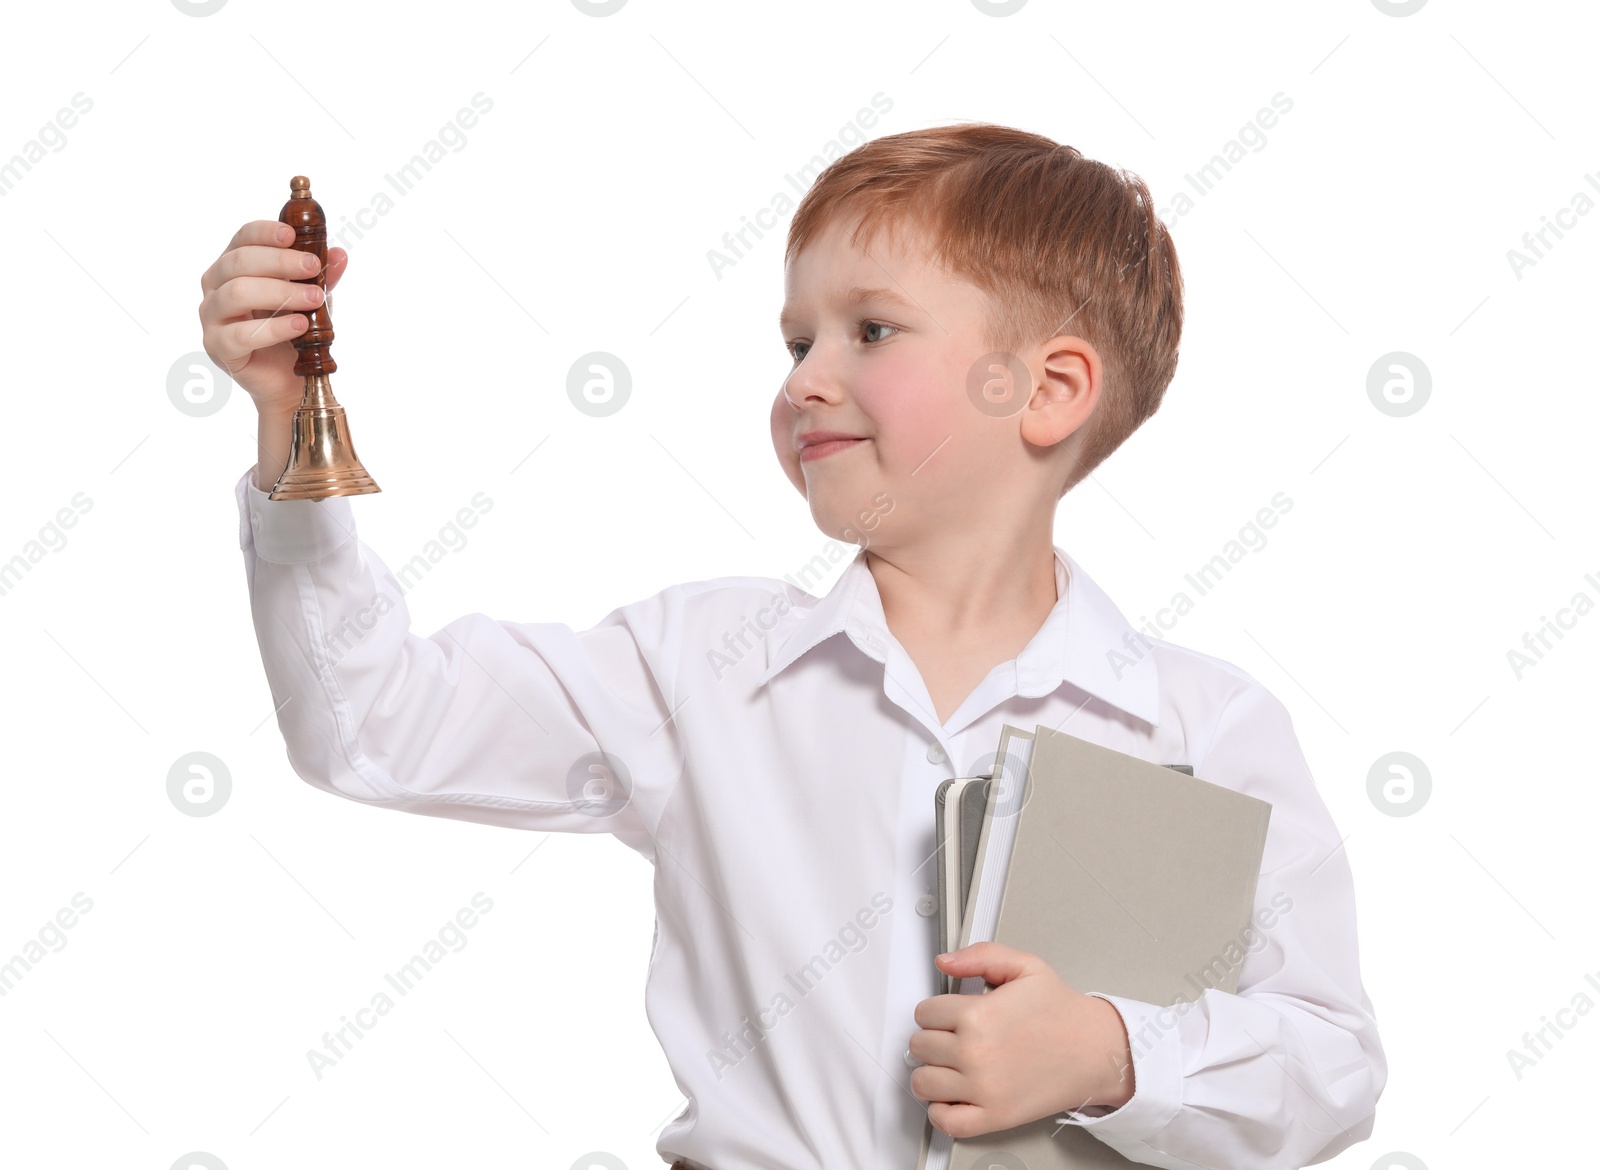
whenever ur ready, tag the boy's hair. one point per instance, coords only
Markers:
(1053, 238)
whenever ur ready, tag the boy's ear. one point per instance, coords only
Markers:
(1066, 389)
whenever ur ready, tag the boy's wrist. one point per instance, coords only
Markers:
(274, 433)
(1114, 1087)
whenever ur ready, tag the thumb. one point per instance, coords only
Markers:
(338, 261)
(995, 962)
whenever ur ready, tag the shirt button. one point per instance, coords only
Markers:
(935, 754)
(927, 906)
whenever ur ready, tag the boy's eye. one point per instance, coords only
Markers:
(797, 348)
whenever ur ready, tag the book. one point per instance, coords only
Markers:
(959, 805)
(958, 820)
(1128, 877)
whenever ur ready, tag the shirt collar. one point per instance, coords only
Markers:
(1084, 641)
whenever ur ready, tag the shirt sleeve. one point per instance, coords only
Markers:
(524, 725)
(1287, 1071)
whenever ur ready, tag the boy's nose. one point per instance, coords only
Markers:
(811, 383)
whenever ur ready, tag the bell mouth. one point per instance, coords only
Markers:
(322, 458)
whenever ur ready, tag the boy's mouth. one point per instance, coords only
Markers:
(817, 447)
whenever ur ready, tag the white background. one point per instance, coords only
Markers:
(578, 216)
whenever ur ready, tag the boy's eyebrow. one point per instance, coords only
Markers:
(857, 296)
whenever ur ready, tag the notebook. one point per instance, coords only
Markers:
(1128, 877)
(958, 820)
(958, 806)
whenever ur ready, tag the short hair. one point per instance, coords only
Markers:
(1051, 237)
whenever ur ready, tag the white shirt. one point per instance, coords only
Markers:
(775, 756)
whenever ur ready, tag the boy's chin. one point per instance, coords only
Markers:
(841, 525)
(795, 476)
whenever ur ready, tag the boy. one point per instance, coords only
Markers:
(976, 317)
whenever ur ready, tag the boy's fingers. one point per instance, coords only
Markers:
(932, 1083)
(256, 260)
(338, 261)
(230, 346)
(996, 962)
(956, 1119)
(933, 1046)
(262, 231)
(941, 1011)
(243, 294)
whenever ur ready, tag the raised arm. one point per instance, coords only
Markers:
(534, 726)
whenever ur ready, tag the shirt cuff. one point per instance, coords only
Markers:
(1156, 1046)
(290, 532)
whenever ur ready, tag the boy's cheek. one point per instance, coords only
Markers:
(914, 410)
(782, 424)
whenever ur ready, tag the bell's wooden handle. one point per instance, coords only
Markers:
(304, 214)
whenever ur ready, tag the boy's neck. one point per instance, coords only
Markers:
(983, 589)
(960, 614)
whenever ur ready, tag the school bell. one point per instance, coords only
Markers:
(322, 459)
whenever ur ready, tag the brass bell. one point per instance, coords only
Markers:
(322, 459)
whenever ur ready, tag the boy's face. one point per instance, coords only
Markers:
(886, 343)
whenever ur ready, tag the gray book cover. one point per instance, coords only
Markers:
(1126, 876)
(974, 799)
(958, 806)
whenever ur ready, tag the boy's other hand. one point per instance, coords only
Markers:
(1028, 1048)
(251, 280)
